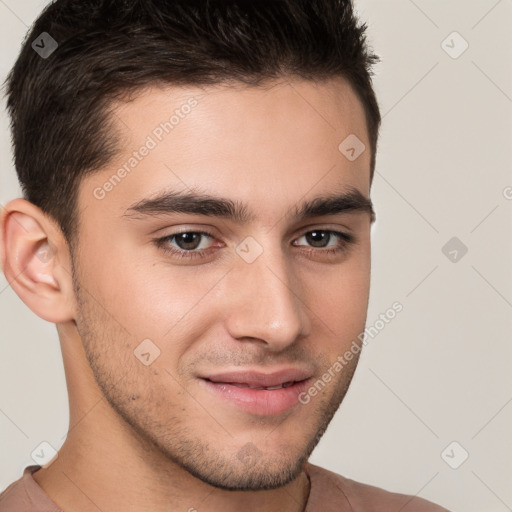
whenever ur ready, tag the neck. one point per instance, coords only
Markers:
(105, 465)
(91, 475)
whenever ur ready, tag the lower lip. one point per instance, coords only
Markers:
(262, 402)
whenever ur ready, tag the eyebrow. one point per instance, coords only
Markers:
(192, 202)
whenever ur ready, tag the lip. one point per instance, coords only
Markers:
(245, 389)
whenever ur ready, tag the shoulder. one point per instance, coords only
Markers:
(14, 493)
(329, 489)
(25, 494)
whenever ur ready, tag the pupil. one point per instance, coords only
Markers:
(184, 236)
(315, 234)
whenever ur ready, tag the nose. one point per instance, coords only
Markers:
(266, 302)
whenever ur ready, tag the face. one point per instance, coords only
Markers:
(213, 328)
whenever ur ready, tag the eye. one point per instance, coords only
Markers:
(319, 237)
(189, 243)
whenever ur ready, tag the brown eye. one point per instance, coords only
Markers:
(185, 244)
(320, 238)
(188, 241)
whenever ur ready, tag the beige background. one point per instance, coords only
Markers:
(440, 371)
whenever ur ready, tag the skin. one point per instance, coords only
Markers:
(152, 437)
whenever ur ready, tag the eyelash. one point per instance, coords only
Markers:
(162, 243)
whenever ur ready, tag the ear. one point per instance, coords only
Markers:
(36, 262)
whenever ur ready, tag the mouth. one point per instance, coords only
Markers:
(263, 394)
(268, 388)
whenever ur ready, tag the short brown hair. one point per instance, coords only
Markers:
(59, 105)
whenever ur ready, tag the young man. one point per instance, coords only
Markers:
(196, 222)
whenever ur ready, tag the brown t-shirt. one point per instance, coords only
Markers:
(329, 492)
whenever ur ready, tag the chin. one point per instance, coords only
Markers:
(262, 475)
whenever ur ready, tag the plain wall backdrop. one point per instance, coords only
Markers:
(434, 384)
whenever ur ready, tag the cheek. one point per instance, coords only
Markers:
(172, 307)
(339, 296)
(342, 310)
(162, 302)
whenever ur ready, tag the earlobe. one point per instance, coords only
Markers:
(32, 249)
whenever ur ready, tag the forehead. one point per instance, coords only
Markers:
(266, 146)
